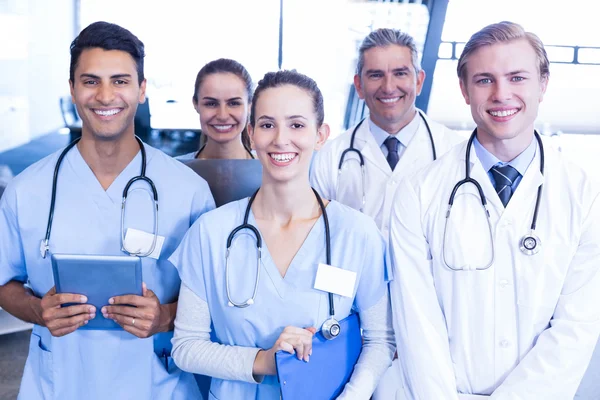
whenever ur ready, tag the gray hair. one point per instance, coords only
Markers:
(386, 37)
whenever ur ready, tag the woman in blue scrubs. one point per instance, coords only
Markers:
(286, 126)
(222, 97)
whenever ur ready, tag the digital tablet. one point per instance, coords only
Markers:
(99, 278)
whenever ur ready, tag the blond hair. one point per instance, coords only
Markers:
(503, 32)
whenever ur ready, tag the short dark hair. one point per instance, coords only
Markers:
(294, 78)
(107, 36)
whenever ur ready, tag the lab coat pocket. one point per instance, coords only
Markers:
(539, 280)
(38, 376)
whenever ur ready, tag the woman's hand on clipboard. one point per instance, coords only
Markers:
(292, 340)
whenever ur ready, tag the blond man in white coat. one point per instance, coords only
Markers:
(394, 141)
(485, 306)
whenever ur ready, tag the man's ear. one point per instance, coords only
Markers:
(358, 87)
(420, 80)
(142, 97)
(543, 87)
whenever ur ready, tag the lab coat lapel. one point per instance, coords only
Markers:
(369, 149)
(525, 195)
(481, 176)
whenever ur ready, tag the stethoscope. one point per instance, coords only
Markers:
(203, 146)
(529, 244)
(331, 327)
(44, 245)
(361, 159)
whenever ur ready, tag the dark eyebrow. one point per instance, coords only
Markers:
(82, 76)
(119, 76)
(217, 100)
(273, 119)
(373, 71)
(401, 69)
(92, 76)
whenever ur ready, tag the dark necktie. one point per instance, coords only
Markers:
(504, 177)
(392, 145)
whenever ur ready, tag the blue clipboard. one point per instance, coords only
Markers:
(330, 367)
(99, 278)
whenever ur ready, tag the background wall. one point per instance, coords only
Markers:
(34, 67)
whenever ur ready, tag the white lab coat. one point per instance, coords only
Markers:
(380, 185)
(526, 327)
(380, 181)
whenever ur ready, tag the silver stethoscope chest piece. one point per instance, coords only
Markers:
(530, 244)
(331, 329)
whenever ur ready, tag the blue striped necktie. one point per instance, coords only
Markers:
(504, 176)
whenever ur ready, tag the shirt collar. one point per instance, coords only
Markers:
(404, 135)
(520, 163)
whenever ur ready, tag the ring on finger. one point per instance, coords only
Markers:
(132, 321)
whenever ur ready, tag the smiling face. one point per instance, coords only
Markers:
(222, 106)
(106, 93)
(504, 88)
(285, 132)
(389, 84)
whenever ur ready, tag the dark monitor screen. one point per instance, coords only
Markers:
(229, 180)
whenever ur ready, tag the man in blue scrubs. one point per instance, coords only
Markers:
(65, 362)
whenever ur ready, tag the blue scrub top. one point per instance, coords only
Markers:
(356, 245)
(99, 364)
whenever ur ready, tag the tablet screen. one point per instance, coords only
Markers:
(99, 278)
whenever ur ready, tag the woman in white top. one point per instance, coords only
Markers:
(286, 126)
(222, 97)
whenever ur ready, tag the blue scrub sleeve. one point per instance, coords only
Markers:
(373, 278)
(202, 202)
(12, 257)
(187, 258)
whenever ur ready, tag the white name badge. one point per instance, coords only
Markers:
(335, 280)
(140, 241)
